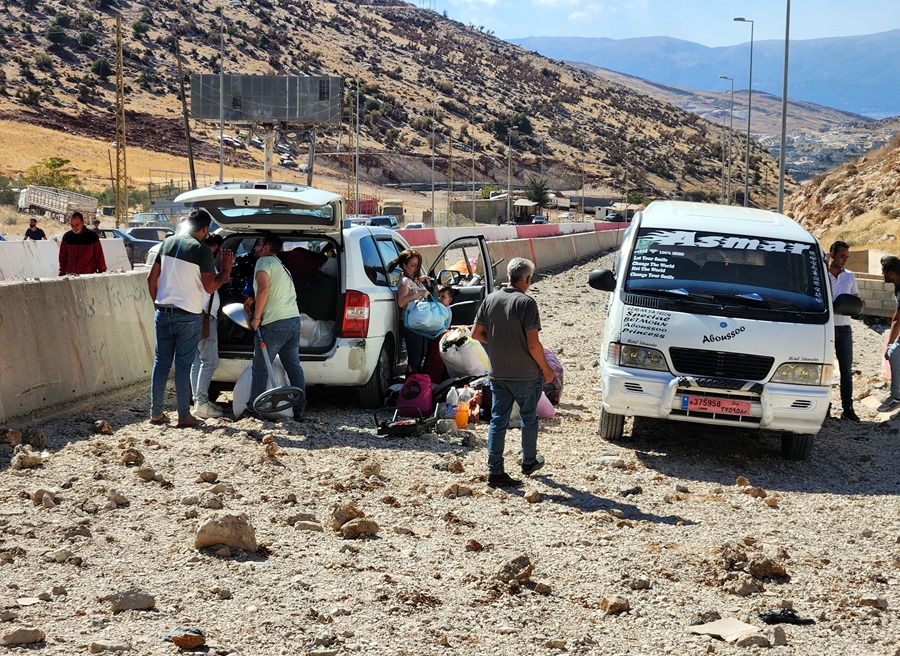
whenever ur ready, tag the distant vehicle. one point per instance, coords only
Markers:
(385, 221)
(353, 221)
(566, 216)
(284, 149)
(540, 218)
(58, 201)
(150, 220)
(256, 142)
(414, 226)
(2, 238)
(231, 141)
(288, 162)
(149, 233)
(135, 248)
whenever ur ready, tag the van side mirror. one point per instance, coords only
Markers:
(447, 277)
(848, 304)
(602, 279)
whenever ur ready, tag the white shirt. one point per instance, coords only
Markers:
(844, 283)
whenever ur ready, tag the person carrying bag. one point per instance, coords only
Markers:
(410, 289)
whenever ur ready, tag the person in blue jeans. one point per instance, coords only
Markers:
(508, 324)
(890, 269)
(276, 320)
(206, 359)
(181, 273)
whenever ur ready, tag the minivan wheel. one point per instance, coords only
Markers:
(796, 447)
(611, 426)
(371, 395)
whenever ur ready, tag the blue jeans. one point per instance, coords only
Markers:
(843, 349)
(177, 336)
(416, 345)
(282, 338)
(205, 363)
(893, 358)
(526, 393)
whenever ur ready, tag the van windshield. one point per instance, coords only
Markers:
(761, 275)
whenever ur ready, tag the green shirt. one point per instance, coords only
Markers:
(282, 300)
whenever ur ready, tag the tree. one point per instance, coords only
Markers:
(87, 39)
(50, 173)
(101, 68)
(538, 191)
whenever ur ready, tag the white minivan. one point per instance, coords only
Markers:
(349, 335)
(719, 315)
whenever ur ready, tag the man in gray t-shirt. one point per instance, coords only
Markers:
(508, 323)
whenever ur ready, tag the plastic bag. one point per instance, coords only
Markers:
(545, 410)
(241, 398)
(462, 355)
(554, 388)
(314, 333)
(427, 318)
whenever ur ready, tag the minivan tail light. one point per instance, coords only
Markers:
(356, 314)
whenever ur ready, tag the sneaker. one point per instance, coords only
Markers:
(207, 411)
(503, 480)
(849, 415)
(890, 404)
(532, 467)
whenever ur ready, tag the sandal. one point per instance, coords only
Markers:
(162, 420)
(192, 422)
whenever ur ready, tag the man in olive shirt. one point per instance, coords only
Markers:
(508, 323)
(276, 319)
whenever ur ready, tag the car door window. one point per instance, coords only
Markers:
(375, 268)
(389, 249)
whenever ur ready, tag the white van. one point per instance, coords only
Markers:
(719, 315)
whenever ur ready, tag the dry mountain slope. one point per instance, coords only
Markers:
(419, 64)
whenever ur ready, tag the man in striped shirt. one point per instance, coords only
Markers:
(181, 273)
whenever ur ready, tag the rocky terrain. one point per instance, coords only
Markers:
(114, 532)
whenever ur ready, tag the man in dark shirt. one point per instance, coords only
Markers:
(508, 323)
(34, 232)
(80, 250)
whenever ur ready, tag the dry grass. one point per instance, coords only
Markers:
(869, 230)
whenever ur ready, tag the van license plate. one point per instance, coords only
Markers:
(715, 405)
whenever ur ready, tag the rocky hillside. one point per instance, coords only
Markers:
(858, 201)
(419, 73)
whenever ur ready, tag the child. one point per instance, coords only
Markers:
(434, 364)
(445, 295)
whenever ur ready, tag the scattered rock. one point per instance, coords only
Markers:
(186, 637)
(38, 496)
(542, 588)
(59, 556)
(343, 513)
(455, 466)
(630, 491)
(221, 488)
(101, 646)
(22, 636)
(533, 497)
(369, 468)
(518, 569)
(755, 492)
(145, 473)
(873, 601)
(223, 551)
(473, 545)
(132, 456)
(35, 438)
(10, 436)
(555, 643)
(682, 488)
(25, 458)
(742, 481)
(753, 640)
(358, 527)
(232, 530)
(131, 599)
(102, 427)
(614, 462)
(614, 604)
(779, 637)
(7, 615)
(117, 498)
(208, 477)
(308, 526)
(639, 583)
(454, 490)
(766, 568)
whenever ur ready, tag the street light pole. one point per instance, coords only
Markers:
(509, 132)
(473, 180)
(356, 159)
(749, 110)
(784, 96)
(730, 133)
(222, 97)
(433, 120)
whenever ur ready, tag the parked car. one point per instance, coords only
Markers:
(234, 142)
(353, 221)
(414, 226)
(283, 148)
(351, 336)
(540, 218)
(136, 249)
(152, 234)
(566, 216)
(288, 162)
(385, 221)
(256, 142)
(151, 219)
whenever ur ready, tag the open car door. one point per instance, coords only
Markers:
(465, 265)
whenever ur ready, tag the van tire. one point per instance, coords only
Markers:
(371, 395)
(796, 447)
(611, 426)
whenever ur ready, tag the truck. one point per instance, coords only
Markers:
(58, 202)
(719, 316)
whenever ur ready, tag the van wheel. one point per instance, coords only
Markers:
(796, 447)
(371, 395)
(611, 426)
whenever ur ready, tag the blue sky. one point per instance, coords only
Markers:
(708, 22)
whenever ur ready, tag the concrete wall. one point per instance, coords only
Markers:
(878, 295)
(74, 338)
(40, 259)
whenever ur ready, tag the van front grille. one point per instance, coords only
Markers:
(697, 362)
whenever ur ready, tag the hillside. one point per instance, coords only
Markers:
(412, 64)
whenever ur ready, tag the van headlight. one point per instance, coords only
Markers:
(802, 373)
(638, 357)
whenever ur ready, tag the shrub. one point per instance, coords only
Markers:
(101, 68)
(62, 19)
(87, 39)
(56, 34)
(43, 61)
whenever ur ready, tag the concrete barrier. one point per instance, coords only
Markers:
(507, 250)
(71, 339)
(40, 259)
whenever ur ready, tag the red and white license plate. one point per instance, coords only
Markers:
(713, 405)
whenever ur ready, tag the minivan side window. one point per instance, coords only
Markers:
(389, 249)
(373, 266)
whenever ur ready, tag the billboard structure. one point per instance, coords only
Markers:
(268, 99)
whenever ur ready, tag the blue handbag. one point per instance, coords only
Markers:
(427, 317)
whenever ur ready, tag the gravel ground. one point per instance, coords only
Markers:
(610, 549)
